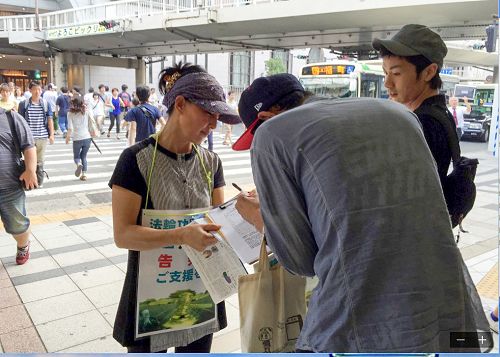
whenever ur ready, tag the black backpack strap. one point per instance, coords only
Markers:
(147, 114)
(444, 117)
(13, 131)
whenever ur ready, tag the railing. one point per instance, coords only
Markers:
(112, 11)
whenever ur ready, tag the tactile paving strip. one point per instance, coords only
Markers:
(488, 286)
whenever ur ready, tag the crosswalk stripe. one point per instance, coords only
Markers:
(64, 178)
(107, 175)
(65, 162)
(115, 154)
(103, 184)
(60, 166)
(68, 189)
(90, 159)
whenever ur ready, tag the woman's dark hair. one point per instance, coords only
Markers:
(420, 63)
(77, 105)
(182, 69)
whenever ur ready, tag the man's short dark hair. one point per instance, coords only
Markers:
(107, 88)
(292, 100)
(101, 86)
(124, 87)
(420, 63)
(34, 84)
(142, 93)
(64, 89)
(91, 90)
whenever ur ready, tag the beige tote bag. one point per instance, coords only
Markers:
(272, 307)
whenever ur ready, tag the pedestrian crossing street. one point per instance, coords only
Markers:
(62, 181)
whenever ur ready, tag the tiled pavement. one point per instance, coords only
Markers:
(65, 298)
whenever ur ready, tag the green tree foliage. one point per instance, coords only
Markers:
(274, 66)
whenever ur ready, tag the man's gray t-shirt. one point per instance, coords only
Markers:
(9, 158)
(349, 192)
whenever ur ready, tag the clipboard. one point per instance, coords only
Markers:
(241, 235)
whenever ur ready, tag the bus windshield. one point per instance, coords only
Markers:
(328, 87)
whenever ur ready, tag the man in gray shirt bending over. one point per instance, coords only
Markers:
(349, 192)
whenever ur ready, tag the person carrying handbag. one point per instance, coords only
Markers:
(82, 128)
(361, 207)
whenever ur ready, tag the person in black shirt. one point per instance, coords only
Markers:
(170, 171)
(412, 59)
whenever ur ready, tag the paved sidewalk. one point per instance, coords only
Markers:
(65, 298)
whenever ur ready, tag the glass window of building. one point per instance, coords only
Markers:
(240, 69)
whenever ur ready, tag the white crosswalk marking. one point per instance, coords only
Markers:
(62, 181)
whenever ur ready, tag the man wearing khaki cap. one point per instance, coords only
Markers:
(412, 59)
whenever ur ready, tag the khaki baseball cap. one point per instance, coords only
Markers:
(413, 40)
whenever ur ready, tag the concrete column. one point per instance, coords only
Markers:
(76, 76)
(140, 72)
(59, 71)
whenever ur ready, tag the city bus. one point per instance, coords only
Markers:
(477, 124)
(344, 79)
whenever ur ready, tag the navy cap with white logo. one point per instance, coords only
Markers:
(262, 94)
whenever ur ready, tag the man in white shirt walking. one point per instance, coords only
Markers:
(458, 113)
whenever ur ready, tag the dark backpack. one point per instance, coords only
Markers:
(125, 97)
(13, 131)
(458, 187)
(40, 172)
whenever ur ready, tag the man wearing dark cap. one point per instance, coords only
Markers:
(361, 207)
(412, 59)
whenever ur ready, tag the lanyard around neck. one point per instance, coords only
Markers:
(208, 174)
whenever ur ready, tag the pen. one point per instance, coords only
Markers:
(237, 187)
(227, 203)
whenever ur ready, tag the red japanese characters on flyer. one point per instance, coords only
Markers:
(170, 293)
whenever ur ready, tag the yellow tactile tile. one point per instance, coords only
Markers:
(58, 217)
(38, 219)
(488, 286)
(81, 213)
(69, 215)
(102, 210)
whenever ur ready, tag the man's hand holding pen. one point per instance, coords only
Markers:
(248, 206)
